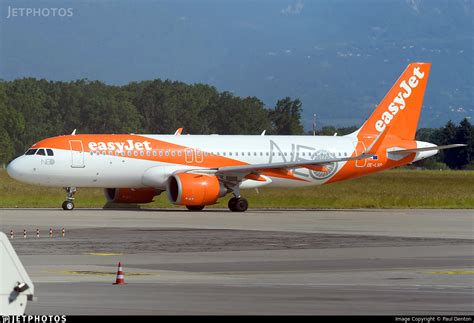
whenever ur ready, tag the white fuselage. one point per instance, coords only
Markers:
(114, 168)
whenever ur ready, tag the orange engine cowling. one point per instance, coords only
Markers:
(130, 195)
(194, 189)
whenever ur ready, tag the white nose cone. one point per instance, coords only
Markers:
(12, 169)
(15, 169)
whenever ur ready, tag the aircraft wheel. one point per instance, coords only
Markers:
(238, 205)
(232, 203)
(195, 207)
(68, 205)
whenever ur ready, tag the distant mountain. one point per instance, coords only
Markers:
(340, 57)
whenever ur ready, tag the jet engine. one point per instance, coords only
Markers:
(130, 195)
(194, 189)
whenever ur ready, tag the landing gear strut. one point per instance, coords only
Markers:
(238, 204)
(68, 205)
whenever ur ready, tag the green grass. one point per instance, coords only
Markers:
(400, 188)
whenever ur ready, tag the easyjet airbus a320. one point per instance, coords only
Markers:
(196, 171)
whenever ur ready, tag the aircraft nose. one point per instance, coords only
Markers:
(14, 169)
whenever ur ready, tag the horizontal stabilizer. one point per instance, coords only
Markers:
(416, 150)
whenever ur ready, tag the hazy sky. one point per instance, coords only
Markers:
(266, 48)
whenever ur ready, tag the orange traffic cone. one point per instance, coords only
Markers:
(120, 280)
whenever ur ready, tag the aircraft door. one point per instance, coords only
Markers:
(77, 154)
(199, 156)
(188, 155)
(360, 148)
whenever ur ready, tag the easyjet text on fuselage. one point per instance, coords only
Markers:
(120, 146)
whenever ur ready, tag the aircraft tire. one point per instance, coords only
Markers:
(195, 207)
(238, 205)
(68, 205)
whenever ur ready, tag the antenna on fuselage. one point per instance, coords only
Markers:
(263, 132)
(74, 132)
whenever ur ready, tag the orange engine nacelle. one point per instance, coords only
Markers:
(130, 195)
(194, 189)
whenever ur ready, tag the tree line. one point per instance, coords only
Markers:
(457, 158)
(32, 109)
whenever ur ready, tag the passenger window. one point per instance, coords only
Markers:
(50, 152)
(41, 152)
(31, 151)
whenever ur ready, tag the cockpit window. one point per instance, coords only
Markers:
(31, 151)
(50, 152)
(41, 152)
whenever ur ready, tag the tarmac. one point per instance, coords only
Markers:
(363, 262)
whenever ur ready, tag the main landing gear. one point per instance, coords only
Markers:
(238, 204)
(195, 207)
(68, 205)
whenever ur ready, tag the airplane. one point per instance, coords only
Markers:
(197, 170)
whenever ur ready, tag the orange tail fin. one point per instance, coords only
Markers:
(400, 108)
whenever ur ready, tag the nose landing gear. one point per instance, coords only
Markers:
(68, 205)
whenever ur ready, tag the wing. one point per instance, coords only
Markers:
(311, 164)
